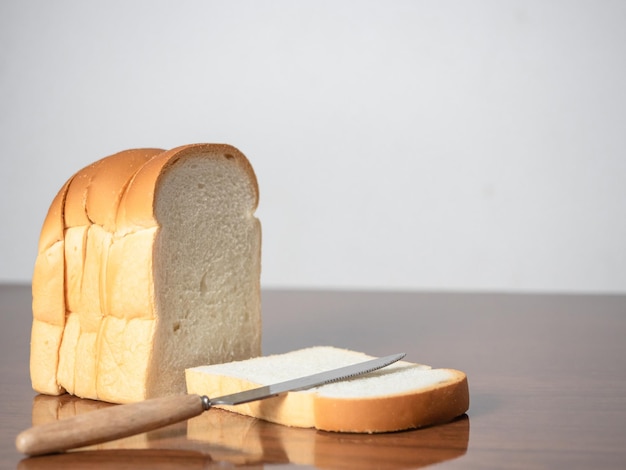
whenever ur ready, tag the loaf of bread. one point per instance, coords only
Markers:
(398, 397)
(149, 262)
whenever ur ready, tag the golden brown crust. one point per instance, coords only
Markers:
(53, 225)
(108, 183)
(434, 405)
(94, 193)
(75, 208)
(48, 300)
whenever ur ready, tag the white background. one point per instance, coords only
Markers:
(447, 145)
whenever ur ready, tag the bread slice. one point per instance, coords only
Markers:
(398, 397)
(149, 262)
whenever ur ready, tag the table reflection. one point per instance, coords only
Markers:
(218, 437)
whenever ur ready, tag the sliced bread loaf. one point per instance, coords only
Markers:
(401, 396)
(148, 262)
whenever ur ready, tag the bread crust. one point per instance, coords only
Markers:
(424, 407)
(75, 208)
(109, 181)
(54, 225)
(94, 193)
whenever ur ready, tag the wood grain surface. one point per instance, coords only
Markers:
(547, 377)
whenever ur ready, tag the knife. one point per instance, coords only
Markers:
(116, 422)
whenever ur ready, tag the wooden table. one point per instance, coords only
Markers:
(547, 377)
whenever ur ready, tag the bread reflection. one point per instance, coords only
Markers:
(51, 408)
(272, 443)
(221, 436)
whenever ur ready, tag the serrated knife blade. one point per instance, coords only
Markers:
(310, 381)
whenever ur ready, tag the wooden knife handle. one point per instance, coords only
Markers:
(109, 423)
